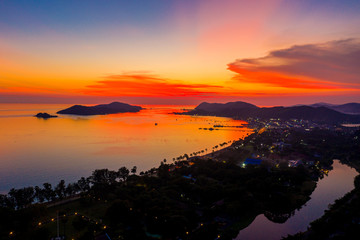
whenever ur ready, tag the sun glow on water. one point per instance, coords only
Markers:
(69, 147)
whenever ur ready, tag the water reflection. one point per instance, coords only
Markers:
(278, 217)
(271, 226)
(33, 151)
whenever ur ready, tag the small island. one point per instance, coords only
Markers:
(102, 109)
(45, 115)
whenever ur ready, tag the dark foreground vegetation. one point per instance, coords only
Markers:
(201, 201)
(209, 197)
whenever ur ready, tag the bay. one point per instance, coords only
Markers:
(34, 151)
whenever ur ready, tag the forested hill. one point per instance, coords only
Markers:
(102, 109)
(243, 110)
(349, 108)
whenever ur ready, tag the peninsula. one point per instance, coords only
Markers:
(102, 109)
(243, 110)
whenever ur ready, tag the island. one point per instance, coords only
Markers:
(45, 115)
(101, 109)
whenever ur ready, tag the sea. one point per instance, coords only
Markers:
(34, 151)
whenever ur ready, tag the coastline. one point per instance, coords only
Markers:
(227, 189)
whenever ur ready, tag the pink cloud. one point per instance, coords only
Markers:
(331, 65)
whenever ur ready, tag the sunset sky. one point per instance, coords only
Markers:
(267, 52)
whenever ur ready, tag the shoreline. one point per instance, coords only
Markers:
(212, 183)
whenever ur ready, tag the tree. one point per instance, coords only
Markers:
(163, 170)
(103, 176)
(5, 202)
(39, 194)
(71, 189)
(60, 189)
(83, 184)
(22, 197)
(133, 170)
(49, 193)
(28, 195)
(123, 173)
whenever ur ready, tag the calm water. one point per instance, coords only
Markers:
(34, 151)
(336, 185)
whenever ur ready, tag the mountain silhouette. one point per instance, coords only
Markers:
(349, 108)
(102, 109)
(243, 110)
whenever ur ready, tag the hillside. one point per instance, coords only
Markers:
(242, 110)
(348, 108)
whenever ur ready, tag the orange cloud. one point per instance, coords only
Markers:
(281, 80)
(331, 66)
(328, 69)
(146, 85)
